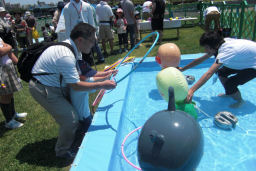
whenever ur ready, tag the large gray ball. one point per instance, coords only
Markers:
(170, 141)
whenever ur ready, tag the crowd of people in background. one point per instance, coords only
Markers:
(83, 27)
(20, 29)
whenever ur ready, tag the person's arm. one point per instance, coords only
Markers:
(195, 62)
(13, 57)
(202, 80)
(87, 86)
(105, 73)
(6, 49)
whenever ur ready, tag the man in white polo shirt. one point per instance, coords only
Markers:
(105, 15)
(235, 64)
(77, 11)
(48, 92)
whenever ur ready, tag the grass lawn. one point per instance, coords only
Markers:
(31, 147)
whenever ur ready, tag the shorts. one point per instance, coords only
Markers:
(105, 32)
(9, 77)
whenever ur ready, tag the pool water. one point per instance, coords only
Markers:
(223, 150)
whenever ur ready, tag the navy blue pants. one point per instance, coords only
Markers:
(131, 30)
(231, 78)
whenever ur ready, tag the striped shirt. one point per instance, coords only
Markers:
(58, 59)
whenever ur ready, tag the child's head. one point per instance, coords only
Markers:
(119, 13)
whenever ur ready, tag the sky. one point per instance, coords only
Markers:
(23, 2)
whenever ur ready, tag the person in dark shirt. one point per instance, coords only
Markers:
(20, 28)
(158, 9)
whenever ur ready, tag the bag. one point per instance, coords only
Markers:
(29, 57)
(35, 33)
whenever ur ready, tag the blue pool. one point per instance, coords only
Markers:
(136, 99)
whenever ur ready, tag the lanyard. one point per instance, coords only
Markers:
(78, 12)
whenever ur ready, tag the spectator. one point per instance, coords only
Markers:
(212, 14)
(59, 22)
(20, 27)
(105, 15)
(128, 9)
(31, 22)
(157, 21)
(146, 10)
(121, 24)
(10, 83)
(11, 22)
(77, 11)
(6, 29)
(96, 48)
(46, 34)
(47, 91)
(56, 15)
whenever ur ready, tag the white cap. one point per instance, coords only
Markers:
(27, 13)
(2, 9)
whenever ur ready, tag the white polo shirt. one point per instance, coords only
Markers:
(104, 12)
(77, 12)
(58, 60)
(237, 54)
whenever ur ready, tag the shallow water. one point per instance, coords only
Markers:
(223, 150)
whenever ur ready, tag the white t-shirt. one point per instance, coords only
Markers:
(4, 60)
(237, 54)
(210, 9)
(146, 6)
(104, 12)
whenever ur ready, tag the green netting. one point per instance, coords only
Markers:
(239, 17)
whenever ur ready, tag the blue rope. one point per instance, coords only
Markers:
(146, 54)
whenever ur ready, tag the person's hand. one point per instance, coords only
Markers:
(109, 84)
(114, 72)
(189, 96)
(180, 68)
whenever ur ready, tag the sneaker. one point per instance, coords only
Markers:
(21, 115)
(13, 124)
(120, 50)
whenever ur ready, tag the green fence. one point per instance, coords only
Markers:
(240, 18)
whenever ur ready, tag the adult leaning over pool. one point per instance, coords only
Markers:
(235, 64)
(52, 92)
